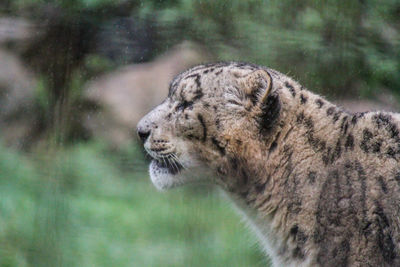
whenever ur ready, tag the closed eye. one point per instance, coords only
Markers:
(234, 102)
(185, 104)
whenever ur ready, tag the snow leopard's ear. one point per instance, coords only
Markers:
(256, 86)
(266, 104)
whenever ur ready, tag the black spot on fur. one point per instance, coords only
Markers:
(196, 77)
(362, 178)
(317, 144)
(300, 239)
(397, 178)
(341, 252)
(332, 153)
(245, 176)
(291, 182)
(385, 121)
(382, 184)
(234, 163)
(198, 95)
(309, 123)
(320, 103)
(270, 111)
(260, 187)
(367, 136)
(394, 131)
(332, 252)
(294, 230)
(219, 72)
(300, 117)
(345, 125)
(311, 177)
(354, 119)
(241, 64)
(349, 142)
(197, 80)
(382, 120)
(298, 253)
(303, 99)
(291, 88)
(391, 152)
(218, 146)
(330, 111)
(325, 157)
(337, 151)
(273, 146)
(201, 120)
(336, 116)
(253, 95)
(298, 235)
(172, 87)
(218, 123)
(274, 143)
(357, 116)
(385, 241)
(191, 136)
(221, 171)
(376, 146)
(322, 145)
(294, 207)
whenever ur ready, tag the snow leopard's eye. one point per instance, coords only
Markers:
(183, 105)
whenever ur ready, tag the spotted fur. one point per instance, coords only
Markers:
(319, 185)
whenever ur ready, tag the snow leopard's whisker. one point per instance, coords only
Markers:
(164, 161)
(173, 164)
(177, 165)
(175, 157)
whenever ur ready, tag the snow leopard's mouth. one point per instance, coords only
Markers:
(166, 164)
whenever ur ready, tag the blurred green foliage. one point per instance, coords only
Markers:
(87, 206)
(339, 48)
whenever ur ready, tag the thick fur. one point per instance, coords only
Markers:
(321, 186)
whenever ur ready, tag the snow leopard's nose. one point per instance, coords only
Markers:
(143, 128)
(149, 123)
(143, 134)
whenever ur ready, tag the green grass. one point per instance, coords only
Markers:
(88, 206)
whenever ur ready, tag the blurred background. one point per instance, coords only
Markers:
(77, 75)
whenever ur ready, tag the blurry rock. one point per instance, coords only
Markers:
(16, 30)
(17, 87)
(127, 94)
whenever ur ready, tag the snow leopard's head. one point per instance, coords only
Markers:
(211, 113)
